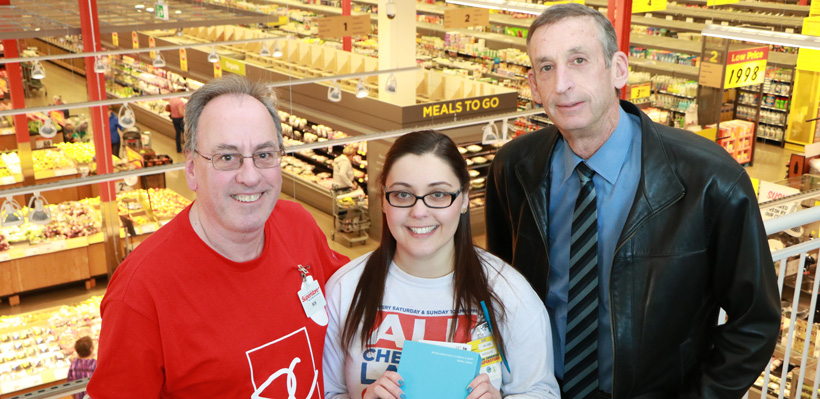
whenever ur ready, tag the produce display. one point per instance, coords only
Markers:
(165, 203)
(83, 153)
(41, 341)
(51, 159)
(68, 220)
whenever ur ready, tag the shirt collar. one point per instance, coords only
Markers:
(609, 159)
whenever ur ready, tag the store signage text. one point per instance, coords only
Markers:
(466, 17)
(344, 25)
(643, 90)
(161, 11)
(455, 107)
(232, 66)
(746, 67)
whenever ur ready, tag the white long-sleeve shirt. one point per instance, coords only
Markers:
(419, 308)
(342, 172)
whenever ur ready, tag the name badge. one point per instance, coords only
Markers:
(311, 296)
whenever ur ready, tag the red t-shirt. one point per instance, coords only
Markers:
(177, 107)
(182, 321)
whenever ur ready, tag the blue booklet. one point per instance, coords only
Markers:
(432, 371)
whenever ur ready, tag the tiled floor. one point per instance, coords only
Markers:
(769, 164)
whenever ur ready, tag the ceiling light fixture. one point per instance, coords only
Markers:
(762, 36)
(277, 51)
(126, 117)
(47, 129)
(38, 213)
(11, 214)
(334, 92)
(159, 61)
(213, 57)
(37, 71)
(264, 52)
(392, 84)
(361, 89)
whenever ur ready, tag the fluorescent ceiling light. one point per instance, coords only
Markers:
(762, 36)
(513, 6)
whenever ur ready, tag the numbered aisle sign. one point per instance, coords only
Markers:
(344, 25)
(746, 67)
(641, 6)
(711, 69)
(466, 17)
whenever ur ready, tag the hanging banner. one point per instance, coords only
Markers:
(217, 69)
(809, 59)
(152, 43)
(183, 60)
(135, 41)
(466, 17)
(161, 11)
(115, 38)
(642, 6)
(746, 67)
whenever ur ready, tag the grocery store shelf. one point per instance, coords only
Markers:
(665, 67)
(719, 15)
(320, 9)
(678, 26)
(665, 43)
(493, 40)
(790, 9)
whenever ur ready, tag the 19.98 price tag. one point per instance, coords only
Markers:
(745, 67)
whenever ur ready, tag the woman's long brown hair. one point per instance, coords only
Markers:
(471, 285)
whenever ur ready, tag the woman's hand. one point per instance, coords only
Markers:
(481, 388)
(386, 387)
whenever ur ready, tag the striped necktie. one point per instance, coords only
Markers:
(581, 353)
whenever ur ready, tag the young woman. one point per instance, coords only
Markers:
(426, 281)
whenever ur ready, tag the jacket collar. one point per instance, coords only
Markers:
(659, 184)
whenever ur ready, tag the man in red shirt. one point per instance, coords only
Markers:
(226, 300)
(177, 108)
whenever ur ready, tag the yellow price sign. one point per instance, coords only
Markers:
(135, 40)
(745, 67)
(641, 6)
(640, 91)
(217, 69)
(152, 43)
(115, 39)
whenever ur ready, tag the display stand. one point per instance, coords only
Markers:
(803, 127)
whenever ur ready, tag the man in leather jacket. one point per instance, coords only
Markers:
(679, 229)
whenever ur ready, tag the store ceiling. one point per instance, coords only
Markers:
(45, 18)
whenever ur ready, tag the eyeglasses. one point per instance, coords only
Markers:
(233, 161)
(436, 199)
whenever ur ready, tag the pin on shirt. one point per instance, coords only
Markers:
(311, 297)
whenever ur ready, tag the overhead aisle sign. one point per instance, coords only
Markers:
(344, 25)
(466, 17)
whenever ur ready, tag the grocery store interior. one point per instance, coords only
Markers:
(467, 79)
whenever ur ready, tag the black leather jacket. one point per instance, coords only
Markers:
(693, 243)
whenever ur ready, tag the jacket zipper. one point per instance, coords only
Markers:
(617, 248)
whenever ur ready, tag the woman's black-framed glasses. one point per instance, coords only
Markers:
(233, 161)
(436, 199)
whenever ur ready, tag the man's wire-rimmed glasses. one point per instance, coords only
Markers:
(233, 161)
(436, 199)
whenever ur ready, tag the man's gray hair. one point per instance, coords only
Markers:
(229, 85)
(554, 14)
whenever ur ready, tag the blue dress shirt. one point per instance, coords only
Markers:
(617, 166)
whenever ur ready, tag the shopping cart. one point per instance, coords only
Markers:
(350, 215)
